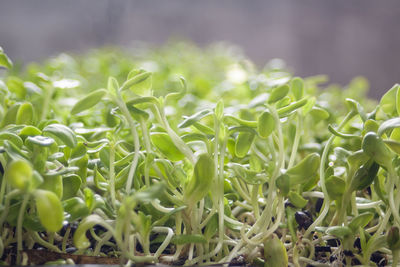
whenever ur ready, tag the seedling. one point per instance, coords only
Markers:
(103, 156)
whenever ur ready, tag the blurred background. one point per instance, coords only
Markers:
(340, 38)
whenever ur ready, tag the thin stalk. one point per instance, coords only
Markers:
(99, 244)
(367, 253)
(254, 200)
(35, 236)
(296, 141)
(207, 219)
(167, 240)
(4, 213)
(147, 145)
(240, 190)
(65, 239)
(160, 115)
(136, 142)
(112, 176)
(19, 225)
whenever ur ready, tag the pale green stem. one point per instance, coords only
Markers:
(175, 138)
(35, 236)
(103, 241)
(296, 141)
(221, 210)
(65, 239)
(167, 240)
(19, 226)
(136, 142)
(254, 200)
(4, 213)
(240, 190)
(112, 176)
(148, 149)
(382, 226)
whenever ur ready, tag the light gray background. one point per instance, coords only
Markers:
(341, 38)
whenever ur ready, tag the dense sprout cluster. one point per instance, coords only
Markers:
(187, 156)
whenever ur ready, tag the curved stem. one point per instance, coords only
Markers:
(167, 240)
(136, 142)
(179, 143)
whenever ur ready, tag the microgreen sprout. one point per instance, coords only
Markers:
(101, 157)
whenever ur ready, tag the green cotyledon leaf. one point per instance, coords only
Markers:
(283, 184)
(25, 114)
(62, 132)
(75, 208)
(297, 87)
(200, 183)
(139, 81)
(275, 252)
(305, 169)
(361, 221)
(53, 184)
(29, 130)
(297, 200)
(374, 147)
(243, 143)
(166, 146)
(388, 100)
(46, 202)
(40, 140)
(364, 176)
(71, 185)
(339, 231)
(278, 93)
(5, 61)
(266, 124)
(335, 187)
(10, 137)
(88, 101)
(19, 174)
(188, 121)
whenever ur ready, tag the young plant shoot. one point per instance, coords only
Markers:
(166, 157)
